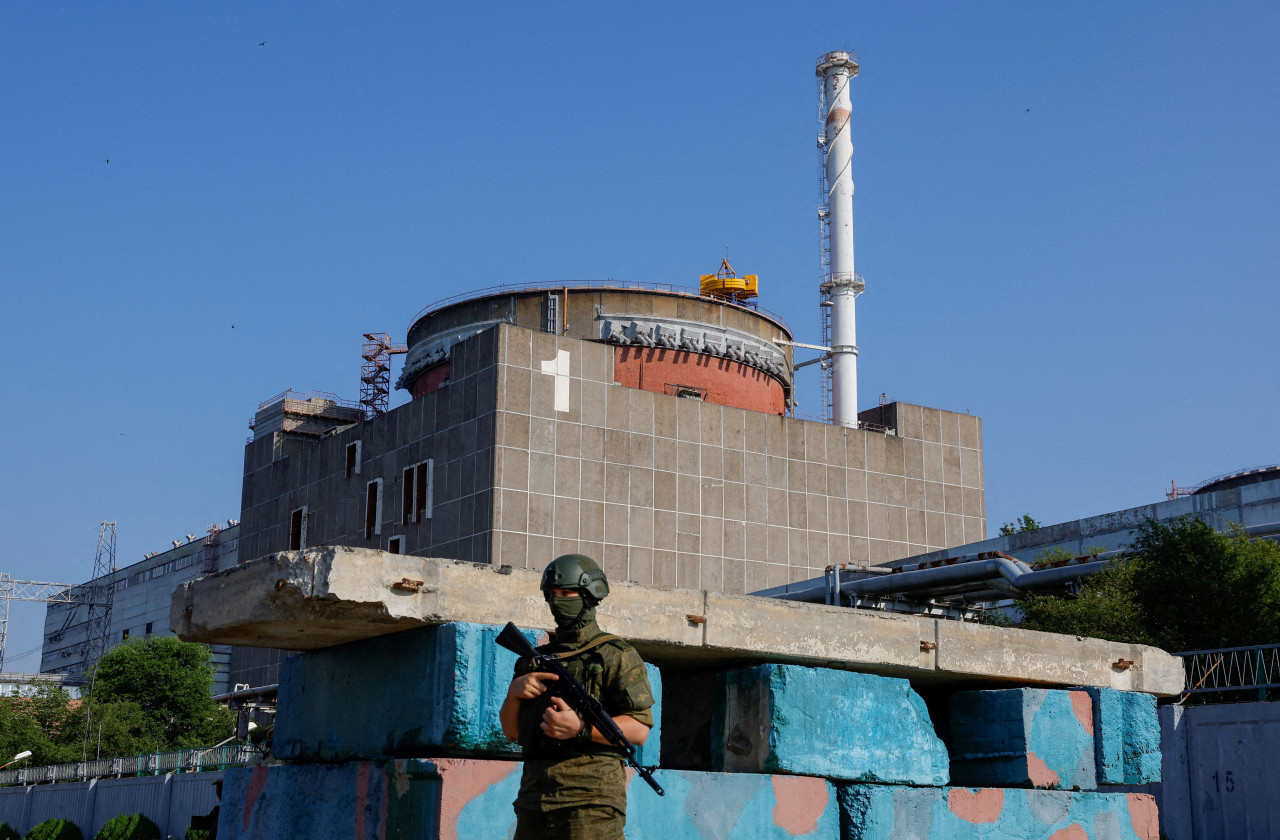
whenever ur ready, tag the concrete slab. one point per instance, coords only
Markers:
(460, 799)
(430, 691)
(878, 812)
(1023, 737)
(823, 722)
(320, 597)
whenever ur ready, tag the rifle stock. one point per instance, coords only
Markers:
(577, 697)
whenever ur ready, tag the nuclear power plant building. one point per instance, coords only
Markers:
(644, 427)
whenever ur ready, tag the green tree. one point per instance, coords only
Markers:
(1182, 586)
(1103, 609)
(1019, 525)
(168, 682)
(26, 723)
(118, 728)
(1198, 589)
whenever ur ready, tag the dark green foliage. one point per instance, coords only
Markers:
(198, 834)
(55, 830)
(1184, 587)
(1104, 609)
(149, 695)
(8, 832)
(128, 827)
(1019, 525)
(170, 681)
(1200, 589)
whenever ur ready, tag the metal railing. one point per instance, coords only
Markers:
(602, 285)
(155, 764)
(1232, 669)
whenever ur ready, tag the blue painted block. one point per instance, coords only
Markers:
(878, 812)
(1023, 737)
(421, 692)
(822, 722)
(1126, 736)
(466, 799)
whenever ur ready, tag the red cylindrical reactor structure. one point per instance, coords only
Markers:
(666, 341)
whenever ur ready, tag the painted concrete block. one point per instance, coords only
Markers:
(421, 692)
(1023, 737)
(466, 799)
(823, 722)
(1126, 737)
(879, 812)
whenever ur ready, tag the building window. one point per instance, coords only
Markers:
(149, 623)
(124, 634)
(406, 497)
(298, 529)
(424, 488)
(395, 545)
(353, 458)
(373, 509)
(416, 492)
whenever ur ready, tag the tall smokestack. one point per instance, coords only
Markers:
(837, 69)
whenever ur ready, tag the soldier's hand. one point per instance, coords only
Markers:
(531, 685)
(560, 721)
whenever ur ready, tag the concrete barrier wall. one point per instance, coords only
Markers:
(824, 722)
(463, 799)
(170, 801)
(1126, 732)
(1023, 737)
(879, 812)
(421, 692)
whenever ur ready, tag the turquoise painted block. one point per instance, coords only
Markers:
(1023, 737)
(467, 799)
(412, 693)
(823, 722)
(422, 692)
(1126, 736)
(879, 812)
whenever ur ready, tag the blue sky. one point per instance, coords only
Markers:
(1066, 215)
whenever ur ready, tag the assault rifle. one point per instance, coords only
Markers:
(572, 692)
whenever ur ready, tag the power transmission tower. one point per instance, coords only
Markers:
(97, 634)
(99, 629)
(37, 591)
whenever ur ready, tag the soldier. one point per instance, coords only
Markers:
(574, 786)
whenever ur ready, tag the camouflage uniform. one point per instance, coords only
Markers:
(576, 788)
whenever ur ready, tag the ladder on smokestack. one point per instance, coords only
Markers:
(824, 250)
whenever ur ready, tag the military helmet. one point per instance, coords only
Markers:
(576, 571)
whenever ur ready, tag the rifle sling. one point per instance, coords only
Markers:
(576, 652)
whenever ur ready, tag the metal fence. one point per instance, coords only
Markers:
(1233, 669)
(155, 764)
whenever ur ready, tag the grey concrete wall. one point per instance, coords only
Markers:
(170, 801)
(678, 492)
(663, 490)
(1250, 506)
(453, 426)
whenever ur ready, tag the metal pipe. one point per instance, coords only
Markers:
(837, 69)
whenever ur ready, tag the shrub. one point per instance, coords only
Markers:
(8, 832)
(55, 830)
(198, 834)
(129, 827)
